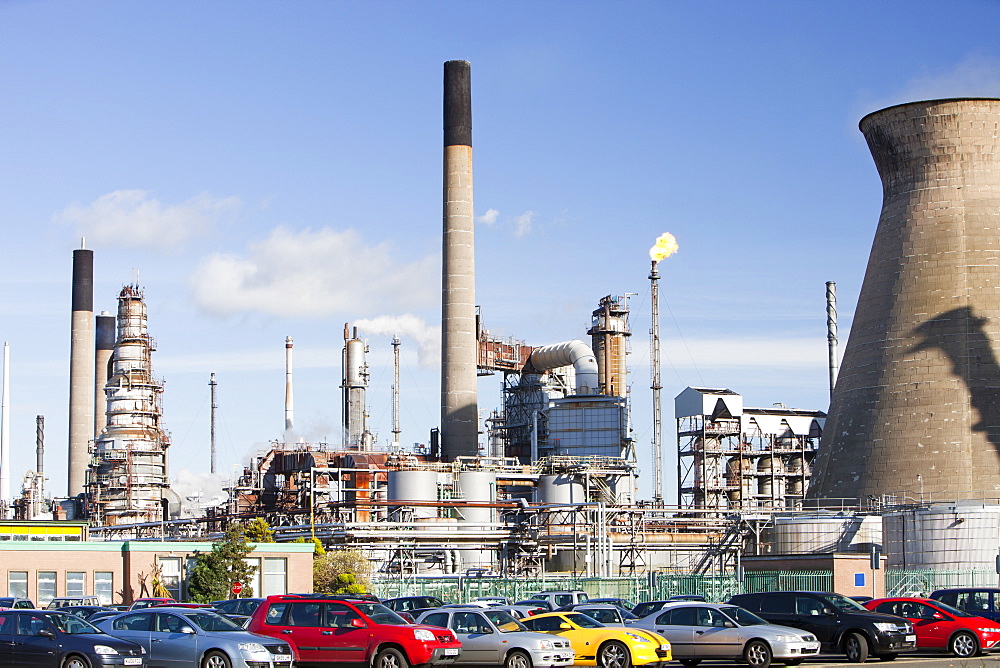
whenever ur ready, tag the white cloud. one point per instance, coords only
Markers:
(522, 223)
(427, 337)
(976, 76)
(133, 219)
(314, 273)
(489, 217)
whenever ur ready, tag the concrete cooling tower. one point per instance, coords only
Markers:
(916, 407)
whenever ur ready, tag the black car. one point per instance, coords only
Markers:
(840, 624)
(51, 639)
(237, 609)
(415, 605)
(979, 601)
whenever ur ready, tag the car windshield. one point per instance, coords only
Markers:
(503, 621)
(209, 621)
(843, 603)
(741, 616)
(952, 610)
(71, 623)
(380, 614)
(584, 622)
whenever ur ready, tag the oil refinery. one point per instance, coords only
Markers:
(905, 464)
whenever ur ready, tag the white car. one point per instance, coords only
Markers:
(702, 631)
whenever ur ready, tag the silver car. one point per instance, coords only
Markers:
(491, 636)
(702, 631)
(185, 637)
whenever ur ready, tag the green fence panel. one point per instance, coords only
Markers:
(924, 582)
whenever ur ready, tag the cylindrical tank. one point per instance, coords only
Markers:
(561, 488)
(734, 479)
(916, 394)
(943, 535)
(815, 533)
(414, 486)
(477, 487)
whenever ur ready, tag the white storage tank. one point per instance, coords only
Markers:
(562, 488)
(414, 486)
(943, 536)
(819, 533)
(477, 487)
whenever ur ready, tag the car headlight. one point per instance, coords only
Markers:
(423, 634)
(546, 644)
(885, 627)
(255, 647)
(787, 638)
(989, 629)
(104, 649)
(638, 638)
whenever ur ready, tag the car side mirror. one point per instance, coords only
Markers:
(829, 611)
(187, 629)
(45, 633)
(563, 626)
(937, 615)
(358, 623)
(730, 625)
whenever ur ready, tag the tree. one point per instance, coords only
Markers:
(341, 571)
(259, 531)
(214, 572)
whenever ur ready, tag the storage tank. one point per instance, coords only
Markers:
(943, 536)
(414, 486)
(477, 487)
(819, 533)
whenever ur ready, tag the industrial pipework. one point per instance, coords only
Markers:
(81, 370)
(576, 353)
(459, 347)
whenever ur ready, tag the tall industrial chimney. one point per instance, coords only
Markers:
(81, 370)
(104, 345)
(289, 407)
(459, 400)
(917, 400)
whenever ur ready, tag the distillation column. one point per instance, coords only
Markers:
(354, 386)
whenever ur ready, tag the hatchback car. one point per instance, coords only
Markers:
(14, 603)
(493, 637)
(192, 637)
(324, 629)
(942, 627)
(702, 631)
(50, 639)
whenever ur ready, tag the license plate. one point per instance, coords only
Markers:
(133, 660)
(912, 638)
(282, 657)
(451, 652)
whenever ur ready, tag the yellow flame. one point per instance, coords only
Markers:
(665, 246)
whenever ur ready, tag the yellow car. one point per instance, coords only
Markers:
(605, 646)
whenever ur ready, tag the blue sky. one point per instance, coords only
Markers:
(274, 169)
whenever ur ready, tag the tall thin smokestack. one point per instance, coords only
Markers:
(395, 391)
(81, 370)
(831, 331)
(289, 408)
(459, 400)
(654, 336)
(40, 444)
(104, 345)
(5, 428)
(212, 385)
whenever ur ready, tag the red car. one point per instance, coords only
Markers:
(327, 629)
(940, 626)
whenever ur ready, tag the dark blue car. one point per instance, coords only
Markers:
(49, 639)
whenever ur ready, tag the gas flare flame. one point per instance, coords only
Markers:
(665, 246)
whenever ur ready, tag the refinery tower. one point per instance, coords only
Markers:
(916, 408)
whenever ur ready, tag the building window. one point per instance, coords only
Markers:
(46, 587)
(76, 583)
(104, 586)
(17, 584)
(254, 582)
(275, 581)
(170, 570)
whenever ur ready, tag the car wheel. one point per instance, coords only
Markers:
(856, 648)
(390, 657)
(757, 654)
(517, 660)
(76, 661)
(964, 645)
(613, 654)
(215, 660)
(689, 663)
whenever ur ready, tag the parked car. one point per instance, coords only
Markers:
(86, 611)
(363, 632)
(700, 631)
(537, 602)
(560, 597)
(840, 624)
(940, 626)
(622, 603)
(146, 602)
(237, 609)
(980, 601)
(648, 607)
(493, 600)
(63, 601)
(686, 597)
(15, 603)
(99, 617)
(605, 613)
(606, 646)
(493, 637)
(52, 639)
(413, 604)
(187, 636)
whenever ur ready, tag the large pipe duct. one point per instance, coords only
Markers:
(81, 371)
(459, 400)
(916, 401)
(574, 352)
(104, 347)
